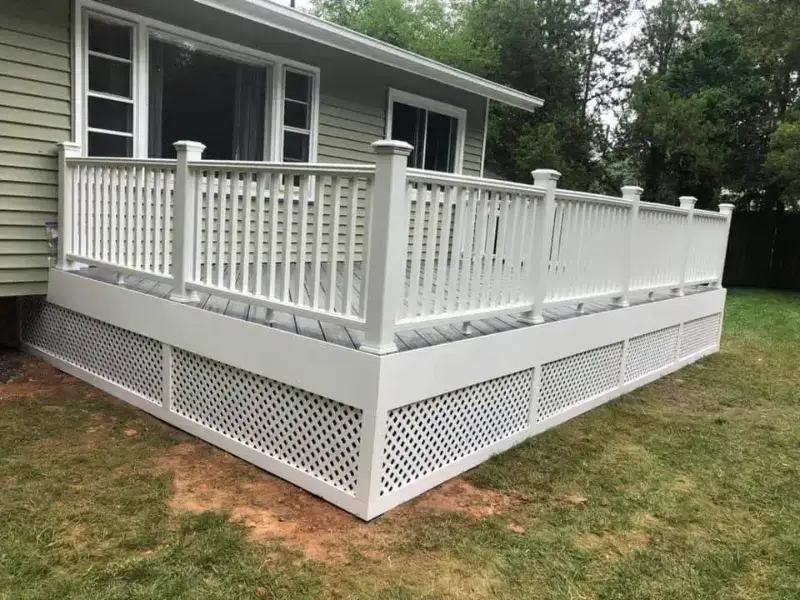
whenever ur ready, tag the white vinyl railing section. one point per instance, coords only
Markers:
(377, 247)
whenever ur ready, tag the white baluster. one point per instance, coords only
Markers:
(388, 239)
(183, 238)
(538, 275)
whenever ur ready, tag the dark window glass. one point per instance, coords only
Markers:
(295, 146)
(433, 135)
(110, 114)
(298, 86)
(206, 98)
(408, 126)
(295, 115)
(440, 144)
(109, 76)
(110, 38)
(103, 144)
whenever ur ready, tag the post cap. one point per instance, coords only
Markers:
(687, 201)
(69, 148)
(545, 175)
(726, 208)
(392, 147)
(189, 145)
(632, 191)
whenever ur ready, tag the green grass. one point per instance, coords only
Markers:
(688, 488)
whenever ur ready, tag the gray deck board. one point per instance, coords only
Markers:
(336, 334)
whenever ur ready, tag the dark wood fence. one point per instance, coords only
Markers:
(764, 250)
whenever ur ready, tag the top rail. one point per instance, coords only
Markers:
(95, 161)
(590, 197)
(449, 179)
(284, 167)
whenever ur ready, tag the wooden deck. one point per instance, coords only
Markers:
(342, 336)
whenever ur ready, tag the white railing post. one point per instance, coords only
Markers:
(727, 210)
(633, 193)
(66, 150)
(183, 225)
(387, 242)
(687, 203)
(542, 240)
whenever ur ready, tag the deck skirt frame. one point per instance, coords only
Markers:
(473, 398)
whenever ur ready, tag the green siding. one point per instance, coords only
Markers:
(35, 114)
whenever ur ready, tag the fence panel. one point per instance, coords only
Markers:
(122, 214)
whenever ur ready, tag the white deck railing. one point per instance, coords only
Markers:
(377, 247)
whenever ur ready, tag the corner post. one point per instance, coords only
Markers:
(387, 241)
(537, 276)
(633, 194)
(66, 206)
(687, 203)
(184, 225)
(727, 210)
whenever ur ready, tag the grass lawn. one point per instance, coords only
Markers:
(688, 488)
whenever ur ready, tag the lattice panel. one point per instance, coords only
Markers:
(651, 352)
(700, 334)
(127, 359)
(314, 434)
(430, 434)
(573, 380)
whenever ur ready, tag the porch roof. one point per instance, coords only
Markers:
(330, 34)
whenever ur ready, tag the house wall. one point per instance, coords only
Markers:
(353, 90)
(35, 113)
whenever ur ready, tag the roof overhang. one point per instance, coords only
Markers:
(321, 31)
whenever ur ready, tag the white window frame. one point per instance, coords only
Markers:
(313, 111)
(145, 28)
(458, 113)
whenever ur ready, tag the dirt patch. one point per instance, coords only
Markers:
(205, 478)
(615, 543)
(208, 479)
(460, 496)
(23, 376)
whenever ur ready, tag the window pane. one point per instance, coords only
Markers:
(408, 126)
(103, 144)
(295, 146)
(228, 116)
(298, 86)
(440, 147)
(110, 38)
(109, 114)
(109, 76)
(295, 115)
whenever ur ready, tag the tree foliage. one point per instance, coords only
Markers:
(681, 96)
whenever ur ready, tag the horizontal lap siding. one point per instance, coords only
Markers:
(35, 114)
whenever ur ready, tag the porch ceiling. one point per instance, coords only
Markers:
(321, 31)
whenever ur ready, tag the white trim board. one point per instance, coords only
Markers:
(304, 25)
(407, 377)
(342, 374)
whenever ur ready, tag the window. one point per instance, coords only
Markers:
(433, 128)
(109, 95)
(228, 116)
(145, 85)
(297, 117)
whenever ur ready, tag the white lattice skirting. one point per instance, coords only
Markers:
(368, 459)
